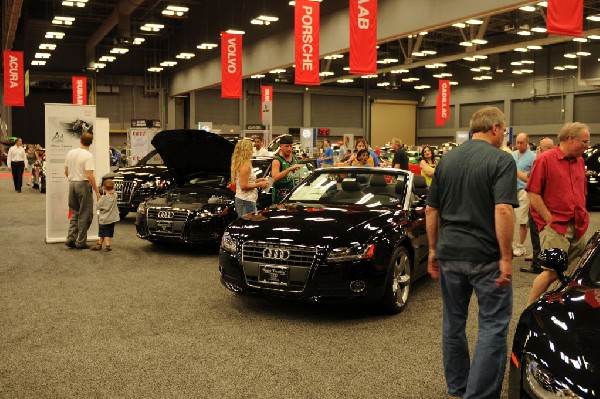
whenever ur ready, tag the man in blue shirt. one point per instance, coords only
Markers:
(327, 157)
(524, 158)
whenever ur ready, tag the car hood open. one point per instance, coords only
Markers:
(192, 151)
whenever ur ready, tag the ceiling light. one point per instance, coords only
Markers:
(429, 52)
(368, 76)
(257, 76)
(74, 3)
(459, 25)
(475, 69)
(207, 46)
(583, 53)
(466, 44)
(168, 63)
(438, 76)
(422, 87)
(47, 46)
(516, 63)
(399, 70)
(559, 68)
(430, 66)
(63, 20)
(334, 57)
(480, 57)
(409, 80)
(470, 59)
(524, 33)
(446, 74)
(485, 68)
(152, 28)
(42, 55)
(175, 11)
(54, 35)
(570, 66)
(594, 37)
(527, 8)
(326, 73)
(346, 68)
(534, 47)
(521, 49)
(423, 33)
(474, 21)
(345, 80)
(538, 29)
(486, 77)
(383, 84)
(99, 65)
(517, 72)
(155, 69)
(38, 62)
(292, 3)
(119, 50)
(453, 83)
(580, 39)
(526, 70)
(418, 54)
(233, 31)
(595, 17)
(479, 41)
(185, 56)
(138, 40)
(525, 62)
(279, 70)
(543, 4)
(107, 58)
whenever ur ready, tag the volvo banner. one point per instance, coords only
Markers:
(231, 65)
(307, 34)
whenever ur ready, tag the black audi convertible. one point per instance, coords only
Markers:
(345, 233)
(555, 350)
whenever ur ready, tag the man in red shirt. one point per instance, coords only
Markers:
(557, 190)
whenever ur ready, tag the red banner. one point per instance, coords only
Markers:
(231, 65)
(266, 93)
(363, 37)
(14, 79)
(565, 17)
(442, 113)
(306, 28)
(79, 84)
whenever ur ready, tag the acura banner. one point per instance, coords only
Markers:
(363, 37)
(307, 30)
(14, 79)
(231, 65)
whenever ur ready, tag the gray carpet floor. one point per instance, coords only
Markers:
(147, 321)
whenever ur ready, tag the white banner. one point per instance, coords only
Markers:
(64, 125)
(140, 142)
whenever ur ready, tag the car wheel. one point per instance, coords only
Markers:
(123, 214)
(397, 289)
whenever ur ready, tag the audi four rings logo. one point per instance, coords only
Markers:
(281, 254)
(165, 214)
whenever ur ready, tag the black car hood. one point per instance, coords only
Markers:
(192, 198)
(193, 151)
(312, 225)
(147, 172)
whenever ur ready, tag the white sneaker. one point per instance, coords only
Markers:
(519, 250)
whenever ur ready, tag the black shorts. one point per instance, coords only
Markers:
(106, 230)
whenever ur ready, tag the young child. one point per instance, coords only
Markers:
(362, 158)
(108, 215)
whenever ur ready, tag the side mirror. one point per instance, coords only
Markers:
(555, 259)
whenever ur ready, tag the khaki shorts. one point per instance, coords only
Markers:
(549, 238)
(522, 212)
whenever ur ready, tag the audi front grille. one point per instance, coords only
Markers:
(124, 190)
(168, 214)
(278, 254)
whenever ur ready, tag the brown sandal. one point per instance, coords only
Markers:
(96, 247)
(108, 248)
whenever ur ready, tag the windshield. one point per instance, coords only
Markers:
(366, 186)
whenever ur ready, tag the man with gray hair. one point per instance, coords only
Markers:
(470, 226)
(524, 158)
(557, 189)
(400, 160)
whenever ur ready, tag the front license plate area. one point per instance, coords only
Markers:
(274, 275)
(165, 226)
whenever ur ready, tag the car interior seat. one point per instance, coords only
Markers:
(378, 185)
(420, 186)
(350, 191)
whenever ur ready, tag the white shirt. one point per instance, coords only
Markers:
(77, 162)
(16, 154)
(263, 152)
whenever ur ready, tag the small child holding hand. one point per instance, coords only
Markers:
(108, 215)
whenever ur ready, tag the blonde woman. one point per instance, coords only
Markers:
(246, 183)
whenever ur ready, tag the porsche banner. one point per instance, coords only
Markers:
(565, 17)
(307, 34)
(231, 65)
(443, 103)
(79, 84)
(363, 37)
(14, 79)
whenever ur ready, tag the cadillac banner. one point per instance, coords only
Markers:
(443, 103)
(14, 79)
(231, 65)
(306, 28)
(363, 37)
(79, 84)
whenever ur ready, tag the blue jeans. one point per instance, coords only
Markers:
(481, 378)
(243, 207)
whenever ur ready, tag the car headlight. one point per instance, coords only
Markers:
(228, 243)
(351, 252)
(141, 208)
(540, 381)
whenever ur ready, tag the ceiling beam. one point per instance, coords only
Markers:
(12, 13)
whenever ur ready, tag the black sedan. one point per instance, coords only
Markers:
(349, 233)
(592, 173)
(555, 350)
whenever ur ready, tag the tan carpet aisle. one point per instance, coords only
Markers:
(154, 322)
